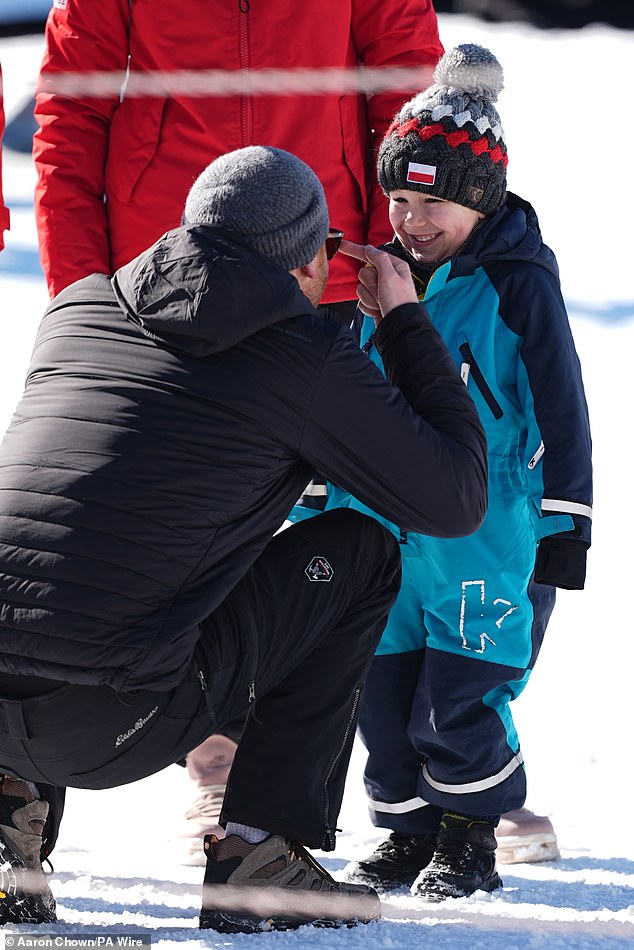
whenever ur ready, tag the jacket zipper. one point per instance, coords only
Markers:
(245, 100)
(328, 843)
(471, 367)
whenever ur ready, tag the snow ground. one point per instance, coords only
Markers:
(570, 140)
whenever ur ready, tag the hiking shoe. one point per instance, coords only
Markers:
(25, 897)
(396, 862)
(208, 766)
(524, 837)
(276, 885)
(464, 860)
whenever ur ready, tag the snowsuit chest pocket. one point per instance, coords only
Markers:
(470, 368)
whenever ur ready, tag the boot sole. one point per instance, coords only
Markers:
(227, 923)
(16, 907)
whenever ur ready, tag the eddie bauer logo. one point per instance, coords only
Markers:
(135, 728)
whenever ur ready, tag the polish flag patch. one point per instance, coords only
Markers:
(421, 174)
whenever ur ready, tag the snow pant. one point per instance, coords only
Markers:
(440, 734)
(291, 644)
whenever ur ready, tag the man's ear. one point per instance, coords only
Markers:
(309, 270)
(306, 272)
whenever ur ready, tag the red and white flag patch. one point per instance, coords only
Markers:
(421, 174)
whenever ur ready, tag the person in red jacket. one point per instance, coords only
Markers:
(114, 169)
(4, 211)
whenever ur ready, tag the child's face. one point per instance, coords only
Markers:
(430, 228)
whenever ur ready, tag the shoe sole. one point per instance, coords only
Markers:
(16, 907)
(227, 923)
(527, 849)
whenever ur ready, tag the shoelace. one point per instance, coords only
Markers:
(297, 852)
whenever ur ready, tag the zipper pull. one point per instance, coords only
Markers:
(369, 343)
(464, 372)
(538, 454)
(252, 691)
(203, 681)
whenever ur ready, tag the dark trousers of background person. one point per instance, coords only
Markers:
(291, 644)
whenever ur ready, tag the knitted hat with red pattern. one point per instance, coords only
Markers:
(447, 141)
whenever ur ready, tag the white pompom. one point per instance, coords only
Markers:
(471, 69)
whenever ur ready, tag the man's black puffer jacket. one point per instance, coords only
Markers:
(171, 418)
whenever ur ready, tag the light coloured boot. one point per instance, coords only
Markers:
(208, 767)
(524, 838)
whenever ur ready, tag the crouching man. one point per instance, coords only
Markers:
(172, 415)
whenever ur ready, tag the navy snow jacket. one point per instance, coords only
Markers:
(171, 417)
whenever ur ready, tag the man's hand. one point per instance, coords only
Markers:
(385, 281)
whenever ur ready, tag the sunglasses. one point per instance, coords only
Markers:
(332, 242)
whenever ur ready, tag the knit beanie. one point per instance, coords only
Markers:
(448, 140)
(269, 199)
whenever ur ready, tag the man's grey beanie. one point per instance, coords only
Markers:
(271, 200)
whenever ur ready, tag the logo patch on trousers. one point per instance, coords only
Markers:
(319, 570)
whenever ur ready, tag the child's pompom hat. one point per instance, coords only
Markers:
(448, 141)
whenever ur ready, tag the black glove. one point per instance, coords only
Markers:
(561, 562)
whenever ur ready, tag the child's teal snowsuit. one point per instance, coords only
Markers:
(467, 626)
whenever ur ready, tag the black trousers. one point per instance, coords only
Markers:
(290, 647)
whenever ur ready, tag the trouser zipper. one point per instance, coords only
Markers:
(328, 843)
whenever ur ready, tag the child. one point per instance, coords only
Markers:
(444, 760)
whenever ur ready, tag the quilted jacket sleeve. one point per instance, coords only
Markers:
(410, 447)
(71, 144)
(403, 33)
